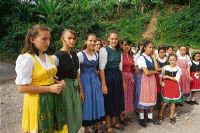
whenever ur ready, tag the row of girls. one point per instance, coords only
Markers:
(67, 90)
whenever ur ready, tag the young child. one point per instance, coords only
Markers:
(195, 74)
(111, 79)
(147, 89)
(184, 63)
(35, 78)
(128, 79)
(93, 101)
(171, 91)
(68, 66)
(162, 61)
(170, 50)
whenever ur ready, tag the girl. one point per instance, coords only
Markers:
(170, 50)
(195, 73)
(147, 90)
(128, 79)
(68, 65)
(93, 104)
(184, 63)
(35, 78)
(162, 61)
(171, 92)
(111, 79)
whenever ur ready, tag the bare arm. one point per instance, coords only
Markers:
(148, 72)
(56, 88)
(103, 82)
(81, 88)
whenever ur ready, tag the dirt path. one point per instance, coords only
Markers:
(151, 27)
(11, 111)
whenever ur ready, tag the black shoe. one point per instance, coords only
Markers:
(189, 102)
(173, 120)
(195, 102)
(180, 104)
(143, 122)
(155, 122)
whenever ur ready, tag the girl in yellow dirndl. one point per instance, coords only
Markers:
(35, 78)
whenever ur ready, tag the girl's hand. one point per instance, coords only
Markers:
(55, 88)
(104, 89)
(82, 96)
(166, 77)
(63, 83)
(190, 78)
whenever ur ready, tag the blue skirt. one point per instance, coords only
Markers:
(114, 100)
(93, 106)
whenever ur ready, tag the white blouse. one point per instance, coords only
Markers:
(195, 62)
(24, 67)
(141, 61)
(162, 60)
(172, 69)
(103, 54)
(90, 58)
(136, 57)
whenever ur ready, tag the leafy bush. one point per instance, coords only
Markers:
(180, 27)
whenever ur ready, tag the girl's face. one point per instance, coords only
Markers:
(170, 51)
(113, 39)
(149, 49)
(91, 42)
(42, 40)
(172, 60)
(183, 51)
(161, 53)
(126, 48)
(197, 57)
(69, 39)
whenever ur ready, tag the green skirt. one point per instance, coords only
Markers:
(72, 105)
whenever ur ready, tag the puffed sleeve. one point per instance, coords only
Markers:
(24, 67)
(162, 72)
(55, 59)
(189, 60)
(80, 57)
(141, 62)
(102, 58)
(178, 74)
(121, 63)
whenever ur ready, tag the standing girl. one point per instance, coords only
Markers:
(195, 74)
(184, 63)
(171, 91)
(128, 79)
(147, 90)
(93, 104)
(111, 78)
(68, 66)
(162, 61)
(35, 78)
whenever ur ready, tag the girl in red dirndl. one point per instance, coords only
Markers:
(171, 91)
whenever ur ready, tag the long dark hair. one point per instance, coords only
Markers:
(33, 32)
(145, 44)
(128, 42)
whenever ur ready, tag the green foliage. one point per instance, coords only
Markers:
(180, 27)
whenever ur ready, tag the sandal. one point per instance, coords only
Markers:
(118, 126)
(173, 120)
(109, 130)
(98, 130)
(125, 123)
